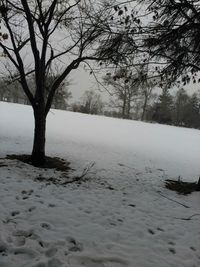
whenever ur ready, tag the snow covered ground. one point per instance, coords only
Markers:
(120, 216)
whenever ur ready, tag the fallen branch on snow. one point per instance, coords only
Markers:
(189, 218)
(86, 171)
(185, 206)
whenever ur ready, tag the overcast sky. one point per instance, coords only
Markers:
(80, 80)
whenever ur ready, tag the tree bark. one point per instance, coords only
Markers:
(38, 152)
(198, 185)
(144, 109)
(128, 108)
(124, 108)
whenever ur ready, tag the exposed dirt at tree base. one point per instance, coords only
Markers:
(56, 163)
(181, 187)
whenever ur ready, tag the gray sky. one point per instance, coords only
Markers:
(80, 81)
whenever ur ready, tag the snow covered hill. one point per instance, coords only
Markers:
(121, 216)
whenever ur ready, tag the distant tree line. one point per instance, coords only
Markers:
(180, 110)
(129, 100)
(11, 91)
(90, 103)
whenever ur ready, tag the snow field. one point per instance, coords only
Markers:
(120, 216)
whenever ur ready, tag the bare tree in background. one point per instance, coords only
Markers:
(91, 103)
(124, 86)
(147, 84)
(11, 90)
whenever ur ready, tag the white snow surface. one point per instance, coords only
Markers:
(121, 215)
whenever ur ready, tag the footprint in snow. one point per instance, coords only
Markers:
(54, 263)
(16, 249)
(93, 263)
(74, 246)
(24, 233)
(39, 264)
(148, 170)
(19, 241)
(31, 208)
(3, 247)
(161, 170)
(132, 205)
(160, 229)
(99, 261)
(171, 243)
(51, 263)
(46, 226)
(14, 213)
(42, 244)
(151, 231)
(121, 164)
(51, 205)
(51, 252)
(26, 193)
(3, 165)
(172, 250)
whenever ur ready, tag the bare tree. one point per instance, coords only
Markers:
(50, 31)
(181, 102)
(123, 86)
(147, 84)
(91, 103)
(62, 94)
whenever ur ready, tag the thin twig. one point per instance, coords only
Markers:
(185, 206)
(189, 218)
(86, 171)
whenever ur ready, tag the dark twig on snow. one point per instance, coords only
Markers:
(86, 171)
(182, 187)
(185, 206)
(198, 185)
(189, 218)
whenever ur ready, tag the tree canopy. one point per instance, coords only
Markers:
(47, 32)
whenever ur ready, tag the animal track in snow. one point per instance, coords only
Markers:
(46, 226)
(98, 261)
(14, 213)
(74, 246)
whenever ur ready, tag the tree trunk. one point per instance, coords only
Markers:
(198, 185)
(38, 152)
(144, 109)
(128, 108)
(124, 108)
